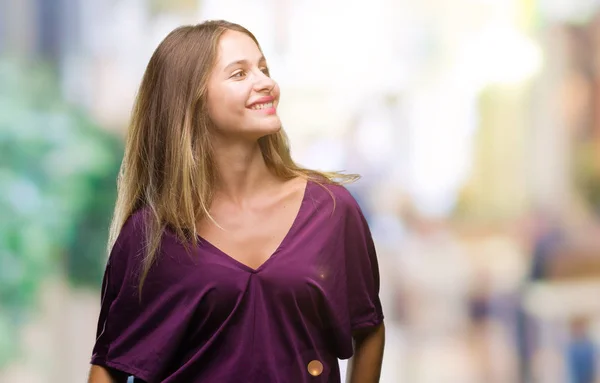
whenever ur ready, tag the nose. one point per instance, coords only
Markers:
(263, 83)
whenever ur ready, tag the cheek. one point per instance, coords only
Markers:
(212, 106)
(276, 92)
(231, 99)
(225, 107)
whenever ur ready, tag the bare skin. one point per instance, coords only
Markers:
(365, 365)
(254, 209)
(99, 374)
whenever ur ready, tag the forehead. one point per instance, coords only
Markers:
(234, 45)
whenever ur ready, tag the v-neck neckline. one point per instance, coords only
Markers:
(277, 250)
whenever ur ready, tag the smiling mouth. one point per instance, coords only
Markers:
(266, 105)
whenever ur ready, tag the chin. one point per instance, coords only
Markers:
(266, 132)
(267, 128)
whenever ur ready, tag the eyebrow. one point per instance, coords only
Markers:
(243, 61)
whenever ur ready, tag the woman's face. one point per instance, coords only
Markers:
(242, 99)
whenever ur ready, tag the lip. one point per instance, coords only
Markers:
(261, 100)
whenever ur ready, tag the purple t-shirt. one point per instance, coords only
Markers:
(209, 318)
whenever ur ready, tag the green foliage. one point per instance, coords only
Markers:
(57, 176)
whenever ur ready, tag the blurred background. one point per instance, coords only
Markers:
(474, 123)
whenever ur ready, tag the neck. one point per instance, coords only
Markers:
(242, 171)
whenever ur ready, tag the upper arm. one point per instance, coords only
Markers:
(99, 374)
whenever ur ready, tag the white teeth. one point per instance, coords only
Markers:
(262, 106)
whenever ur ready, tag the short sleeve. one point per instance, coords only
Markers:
(362, 271)
(133, 336)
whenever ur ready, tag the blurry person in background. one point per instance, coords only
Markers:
(229, 262)
(546, 236)
(581, 353)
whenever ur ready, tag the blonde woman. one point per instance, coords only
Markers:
(229, 263)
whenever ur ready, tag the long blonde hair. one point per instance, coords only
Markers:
(168, 166)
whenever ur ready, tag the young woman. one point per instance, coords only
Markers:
(229, 263)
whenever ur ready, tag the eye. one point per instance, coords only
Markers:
(239, 74)
(266, 71)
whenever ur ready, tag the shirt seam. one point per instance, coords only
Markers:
(375, 320)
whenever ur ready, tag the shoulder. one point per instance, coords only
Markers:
(131, 237)
(336, 198)
(135, 225)
(340, 211)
